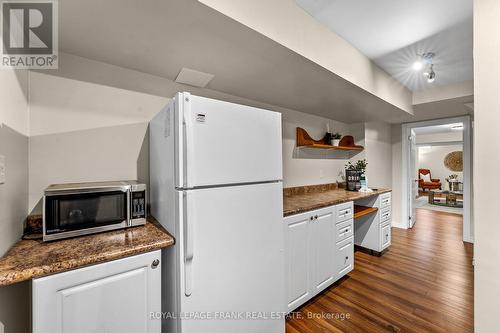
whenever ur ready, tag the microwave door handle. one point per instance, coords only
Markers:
(189, 148)
(129, 200)
(188, 242)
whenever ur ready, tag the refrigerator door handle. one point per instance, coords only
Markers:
(188, 242)
(189, 148)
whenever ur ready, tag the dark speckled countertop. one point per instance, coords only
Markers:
(29, 259)
(295, 203)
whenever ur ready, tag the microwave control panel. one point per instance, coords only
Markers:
(138, 205)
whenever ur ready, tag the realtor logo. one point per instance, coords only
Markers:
(29, 35)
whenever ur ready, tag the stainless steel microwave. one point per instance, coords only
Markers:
(77, 209)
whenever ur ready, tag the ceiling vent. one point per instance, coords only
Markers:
(194, 78)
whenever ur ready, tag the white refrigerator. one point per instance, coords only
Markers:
(215, 184)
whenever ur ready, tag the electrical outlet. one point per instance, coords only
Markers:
(2, 172)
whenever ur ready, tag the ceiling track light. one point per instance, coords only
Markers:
(430, 74)
(423, 60)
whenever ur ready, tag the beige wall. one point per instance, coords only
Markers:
(398, 194)
(14, 301)
(378, 151)
(83, 131)
(87, 124)
(486, 121)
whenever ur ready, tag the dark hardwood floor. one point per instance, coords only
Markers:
(423, 283)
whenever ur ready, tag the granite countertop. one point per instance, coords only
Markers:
(295, 203)
(29, 259)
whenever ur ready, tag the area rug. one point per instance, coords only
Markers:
(423, 203)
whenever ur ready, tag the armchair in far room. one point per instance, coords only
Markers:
(425, 181)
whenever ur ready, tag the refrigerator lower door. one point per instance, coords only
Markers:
(232, 260)
(222, 143)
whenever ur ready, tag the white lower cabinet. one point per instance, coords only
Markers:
(113, 297)
(317, 245)
(322, 241)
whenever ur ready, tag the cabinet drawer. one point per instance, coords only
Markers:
(385, 200)
(385, 215)
(344, 257)
(344, 230)
(344, 211)
(385, 236)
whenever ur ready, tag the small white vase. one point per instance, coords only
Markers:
(336, 142)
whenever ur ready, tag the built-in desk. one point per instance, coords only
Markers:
(322, 226)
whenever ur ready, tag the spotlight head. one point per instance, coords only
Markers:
(431, 77)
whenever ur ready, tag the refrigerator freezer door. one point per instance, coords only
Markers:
(232, 268)
(221, 143)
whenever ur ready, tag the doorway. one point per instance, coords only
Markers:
(437, 169)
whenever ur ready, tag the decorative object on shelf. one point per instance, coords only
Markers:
(453, 183)
(328, 135)
(346, 144)
(454, 161)
(336, 139)
(354, 173)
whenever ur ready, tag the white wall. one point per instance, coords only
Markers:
(486, 159)
(432, 158)
(14, 301)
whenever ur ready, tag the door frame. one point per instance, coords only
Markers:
(467, 172)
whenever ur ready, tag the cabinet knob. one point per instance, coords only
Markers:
(316, 217)
(155, 263)
(346, 258)
(311, 218)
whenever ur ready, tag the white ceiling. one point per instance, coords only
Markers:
(164, 36)
(393, 32)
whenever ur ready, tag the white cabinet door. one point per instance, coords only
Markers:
(323, 233)
(385, 236)
(297, 259)
(114, 297)
(344, 257)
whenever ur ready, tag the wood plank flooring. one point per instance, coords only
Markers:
(423, 283)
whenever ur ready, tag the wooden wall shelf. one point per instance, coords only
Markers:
(363, 210)
(305, 140)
